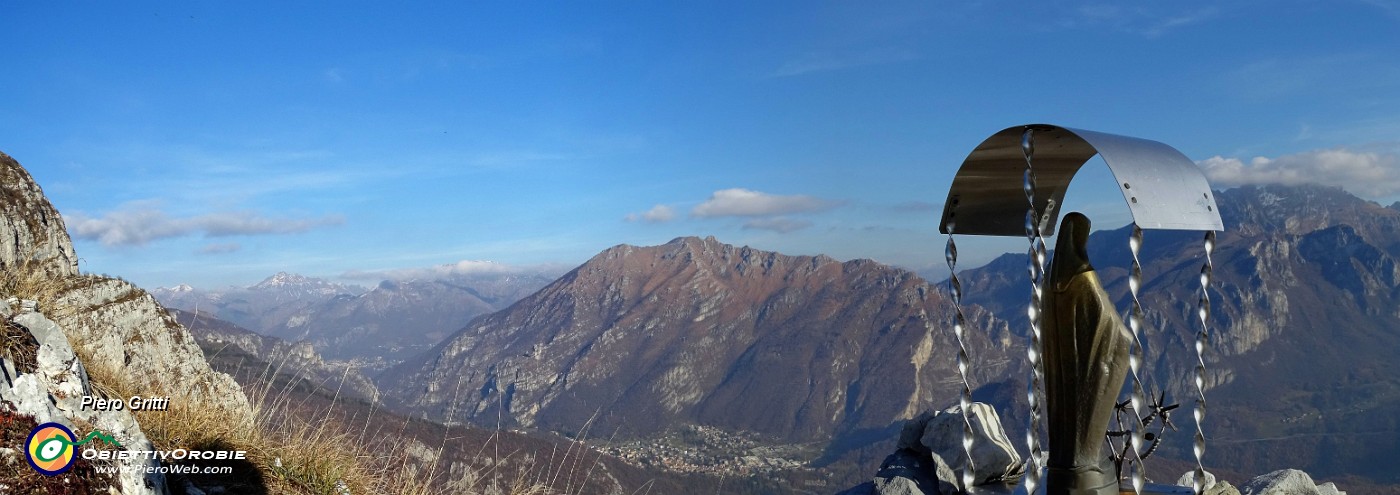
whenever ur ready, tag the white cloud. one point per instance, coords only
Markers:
(746, 203)
(138, 223)
(464, 268)
(657, 214)
(1362, 173)
(777, 224)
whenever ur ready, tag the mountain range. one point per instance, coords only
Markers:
(822, 359)
(811, 351)
(373, 328)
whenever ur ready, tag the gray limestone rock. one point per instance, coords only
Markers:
(993, 457)
(126, 330)
(1330, 488)
(1223, 487)
(906, 472)
(1188, 479)
(32, 233)
(929, 458)
(897, 486)
(53, 393)
(1286, 482)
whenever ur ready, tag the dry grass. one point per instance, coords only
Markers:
(32, 280)
(292, 450)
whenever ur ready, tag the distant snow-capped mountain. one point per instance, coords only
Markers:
(375, 327)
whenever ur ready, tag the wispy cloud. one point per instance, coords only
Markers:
(464, 268)
(1142, 20)
(823, 61)
(777, 224)
(221, 248)
(657, 214)
(1367, 174)
(138, 223)
(738, 202)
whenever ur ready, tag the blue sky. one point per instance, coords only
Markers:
(217, 143)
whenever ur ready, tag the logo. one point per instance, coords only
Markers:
(50, 449)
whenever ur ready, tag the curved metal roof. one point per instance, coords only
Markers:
(1163, 188)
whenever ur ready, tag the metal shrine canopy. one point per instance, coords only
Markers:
(1163, 188)
(1014, 184)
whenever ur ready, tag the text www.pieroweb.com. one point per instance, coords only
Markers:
(174, 469)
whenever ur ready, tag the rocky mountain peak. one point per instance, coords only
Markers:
(1297, 210)
(283, 279)
(1395, 206)
(31, 230)
(696, 331)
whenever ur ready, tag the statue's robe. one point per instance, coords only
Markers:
(1086, 359)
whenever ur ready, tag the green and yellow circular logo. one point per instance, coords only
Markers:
(49, 449)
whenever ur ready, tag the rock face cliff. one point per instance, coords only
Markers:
(115, 325)
(696, 332)
(124, 329)
(31, 231)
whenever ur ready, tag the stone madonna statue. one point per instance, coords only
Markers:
(1086, 360)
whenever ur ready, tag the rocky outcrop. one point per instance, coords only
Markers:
(1211, 485)
(298, 359)
(929, 458)
(1288, 482)
(49, 386)
(940, 434)
(116, 327)
(124, 329)
(31, 231)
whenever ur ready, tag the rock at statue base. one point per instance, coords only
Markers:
(1213, 486)
(929, 458)
(1288, 482)
(867, 488)
(994, 459)
(1188, 480)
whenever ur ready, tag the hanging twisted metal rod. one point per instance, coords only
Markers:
(959, 328)
(1135, 358)
(1202, 336)
(1035, 261)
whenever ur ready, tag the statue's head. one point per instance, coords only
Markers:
(1071, 248)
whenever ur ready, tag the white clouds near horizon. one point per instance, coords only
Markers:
(1366, 174)
(739, 202)
(657, 214)
(139, 223)
(449, 270)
